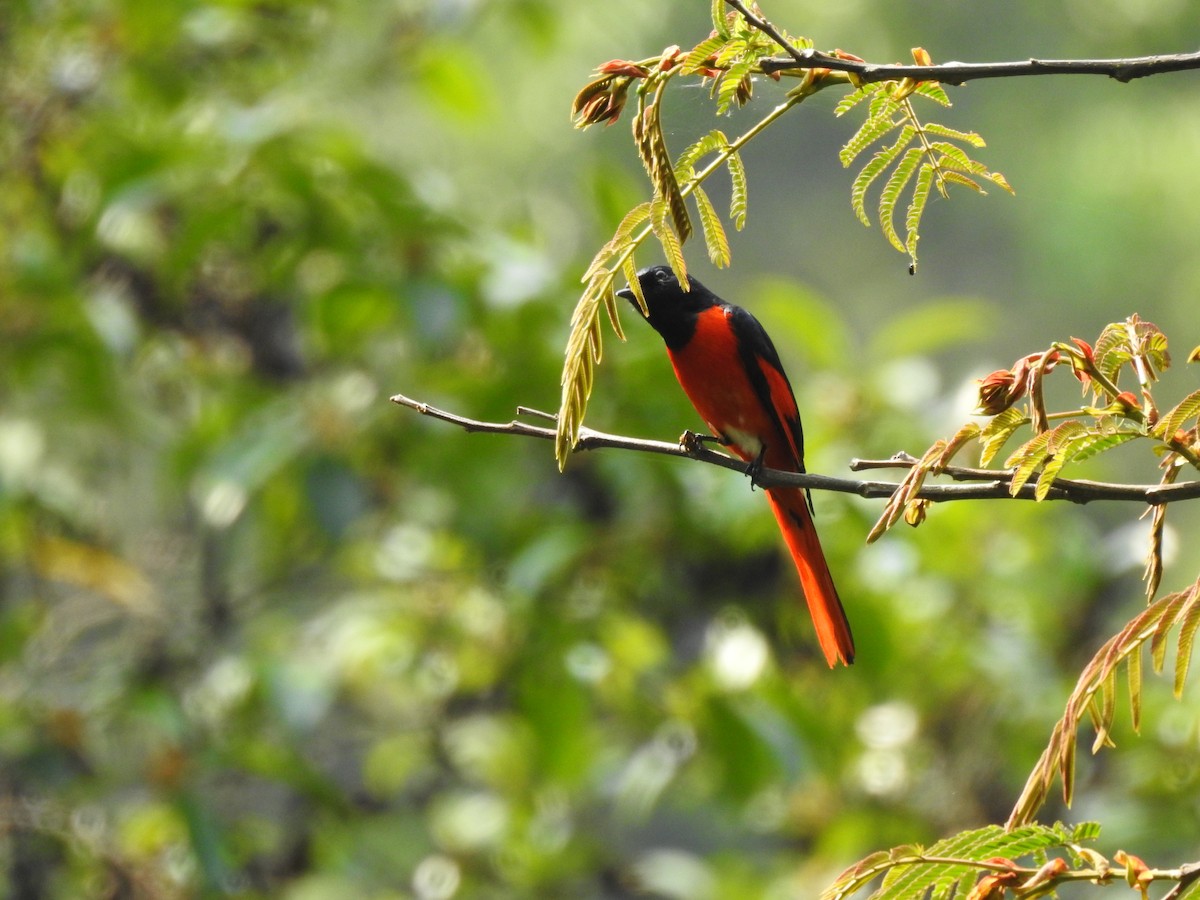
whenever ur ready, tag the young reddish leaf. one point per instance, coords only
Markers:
(1046, 874)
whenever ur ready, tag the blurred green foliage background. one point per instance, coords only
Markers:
(264, 634)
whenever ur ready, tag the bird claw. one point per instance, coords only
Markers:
(693, 442)
(755, 467)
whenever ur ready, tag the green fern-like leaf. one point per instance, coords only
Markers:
(1183, 648)
(660, 221)
(872, 130)
(699, 55)
(629, 270)
(621, 239)
(1060, 449)
(954, 156)
(910, 871)
(916, 209)
(1098, 442)
(883, 103)
(584, 348)
(855, 97)
(715, 239)
(735, 48)
(890, 195)
(1171, 608)
(934, 91)
(1174, 420)
(947, 176)
(963, 137)
(1001, 182)
(731, 80)
(1026, 459)
(997, 432)
(939, 162)
(716, 142)
(652, 149)
(738, 193)
(719, 20)
(712, 142)
(872, 170)
(1133, 675)
(1112, 350)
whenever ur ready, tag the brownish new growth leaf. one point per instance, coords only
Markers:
(601, 100)
(1137, 874)
(1015, 397)
(1045, 875)
(652, 149)
(1095, 692)
(998, 391)
(903, 502)
(992, 887)
(1153, 572)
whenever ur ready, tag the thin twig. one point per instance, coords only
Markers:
(798, 56)
(1122, 70)
(1188, 874)
(984, 484)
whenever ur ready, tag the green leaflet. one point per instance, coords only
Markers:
(963, 137)
(660, 221)
(701, 53)
(890, 195)
(737, 199)
(1183, 649)
(1112, 350)
(1097, 442)
(997, 432)
(934, 91)
(1060, 449)
(873, 129)
(720, 25)
(715, 240)
(1174, 420)
(852, 99)
(712, 142)
(614, 319)
(728, 84)
(1027, 458)
(1133, 673)
(916, 208)
(935, 162)
(880, 161)
(909, 871)
(1168, 610)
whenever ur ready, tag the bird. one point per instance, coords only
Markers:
(727, 365)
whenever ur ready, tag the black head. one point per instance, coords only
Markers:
(672, 309)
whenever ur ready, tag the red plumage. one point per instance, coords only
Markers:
(729, 369)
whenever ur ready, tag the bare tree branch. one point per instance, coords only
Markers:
(980, 484)
(1123, 70)
(1188, 874)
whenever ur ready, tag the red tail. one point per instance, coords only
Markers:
(833, 630)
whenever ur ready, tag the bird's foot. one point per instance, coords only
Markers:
(693, 442)
(755, 467)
